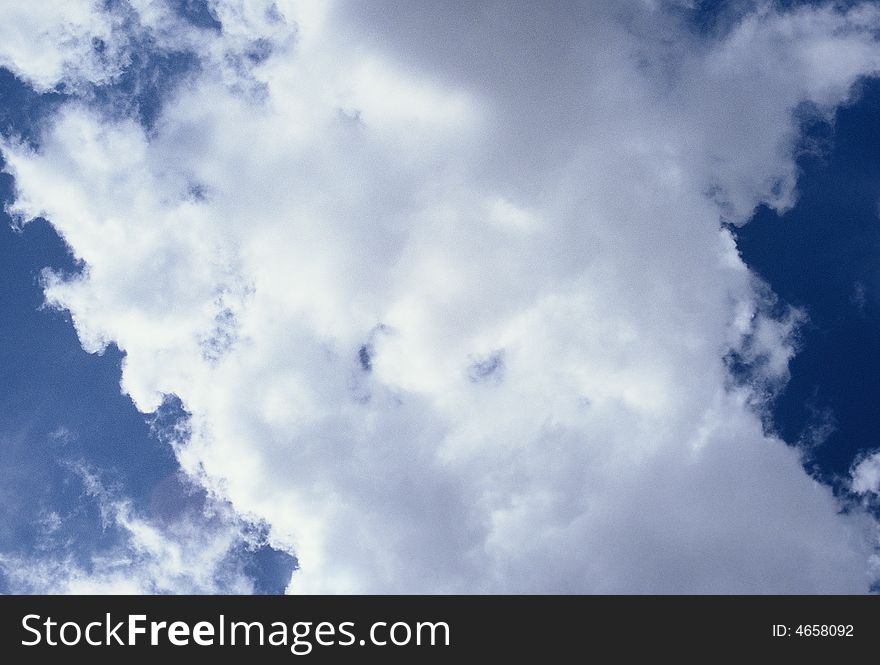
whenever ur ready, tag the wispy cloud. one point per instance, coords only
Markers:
(200, 552)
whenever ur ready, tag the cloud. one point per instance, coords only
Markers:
(81, 46)
(866, 475)
(196, 552)
(48, 43)
(441, 187)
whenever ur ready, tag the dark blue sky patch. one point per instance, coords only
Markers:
(197, 13)
(824, 256)
(23, 111)
(145, 84)
(269, 568)
(365, 357)
(716, 17)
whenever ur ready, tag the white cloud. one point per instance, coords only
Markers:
(47, 43)
(75, 44)
(440, 187)
(193, 553)
(866, 475)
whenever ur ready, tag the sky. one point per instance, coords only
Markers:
(439, 297)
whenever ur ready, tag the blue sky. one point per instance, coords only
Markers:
(831, 270)
(252, 255)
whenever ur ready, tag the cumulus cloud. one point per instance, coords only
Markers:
(49, 43)
(445, 290)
